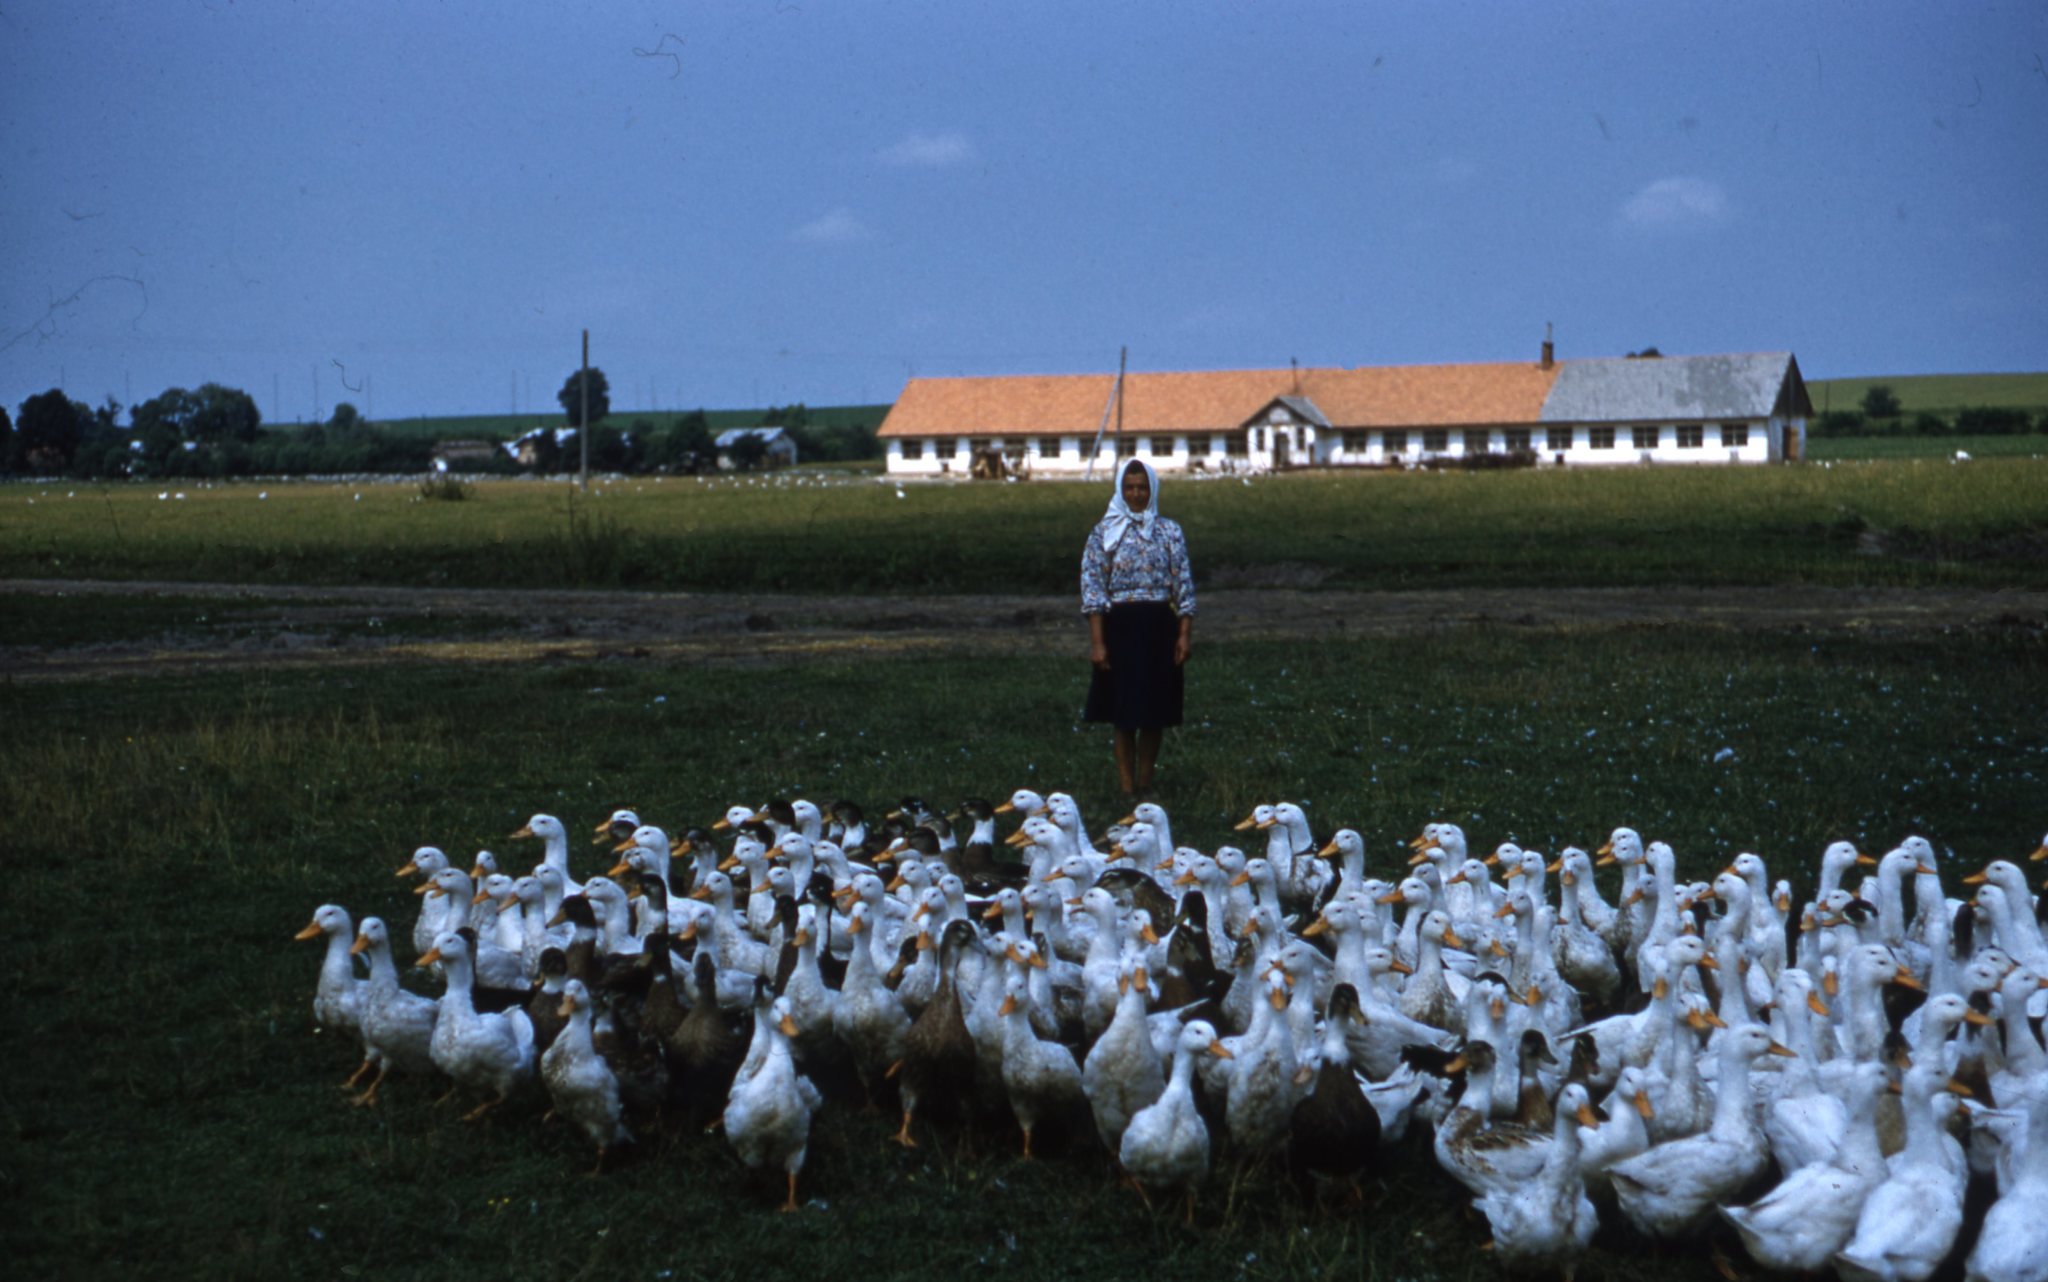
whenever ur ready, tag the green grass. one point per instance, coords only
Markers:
(1936, 393)
(169, 1113)
(1870, 448)
(1977, 525)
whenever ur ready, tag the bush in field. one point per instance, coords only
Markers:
(1984, 421)
(1930, 425)
(1880, 402)
(1839, 423)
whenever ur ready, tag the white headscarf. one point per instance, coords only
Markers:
(1120, 518)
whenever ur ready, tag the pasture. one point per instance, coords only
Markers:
(1907, 522)
(170, 1111)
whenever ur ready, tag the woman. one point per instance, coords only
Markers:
(1139, 595)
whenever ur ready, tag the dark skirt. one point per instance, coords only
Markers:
(1143, 688)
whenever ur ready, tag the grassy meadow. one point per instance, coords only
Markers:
(1936, 393)
(1875, 448)
(1901, 522)
(170, 1112)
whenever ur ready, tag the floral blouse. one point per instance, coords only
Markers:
(1140, 569)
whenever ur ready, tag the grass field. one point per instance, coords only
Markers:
(169, 1113)
(1936, 393)
(1901, 522)
(1888, 448)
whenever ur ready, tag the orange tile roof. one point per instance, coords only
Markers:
(1220, 400)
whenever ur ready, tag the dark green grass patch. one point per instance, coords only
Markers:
(1933, 522)
(169, 1112)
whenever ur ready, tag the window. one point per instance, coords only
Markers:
(1233, 444)
(1127, 447)
(948, 447)
(1691, 436)
(1436, 441)
(1161, 447)
(1396, 443)
(1518, 440)
(1258, 438)
(1643, 438)
(1735, 435)
(913, 449)
(1557, 439)
(1478, 442)
(1599, 438)
(1354, 442)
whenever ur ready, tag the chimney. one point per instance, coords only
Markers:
(1549, 349)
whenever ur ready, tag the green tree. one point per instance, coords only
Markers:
(571, 396)
(213, 413)
(346, 418)
(1880, 402)
(47, 435)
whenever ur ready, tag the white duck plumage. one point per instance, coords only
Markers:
(1670, 1190)
(492, 1050)
(582, 1086)
(768, 1114)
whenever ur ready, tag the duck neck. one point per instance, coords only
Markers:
(1734, 1120)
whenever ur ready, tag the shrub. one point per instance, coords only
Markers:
(444, 488)
(1985, 421)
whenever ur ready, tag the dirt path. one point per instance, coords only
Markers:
(290, 627)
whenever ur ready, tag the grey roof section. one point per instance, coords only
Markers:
(1304, 408)
(1629, 389)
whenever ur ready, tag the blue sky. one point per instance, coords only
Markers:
(753, 203)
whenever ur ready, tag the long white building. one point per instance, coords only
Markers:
(1750, 408)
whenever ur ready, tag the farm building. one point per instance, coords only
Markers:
(778, 447)
(1749, 408)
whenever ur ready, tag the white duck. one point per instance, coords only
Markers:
(579, 1081)
(2013, 1244)
(768, 1115)
(494, 1050)
(398, 1026)
(338, 997)
(1041, 1077)
(1166, 1144)
(1547, 1221)
(1798, 1226)
(425, 862)
(1670, 1190)
(1910, 1221)
(555, 848)
(1122, 1074)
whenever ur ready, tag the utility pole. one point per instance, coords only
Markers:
(583, 418)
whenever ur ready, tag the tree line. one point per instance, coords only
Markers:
(1880, 414)
(217, 431)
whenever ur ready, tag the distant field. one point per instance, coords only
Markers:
(1900, 522)
(2032, 445)
(1936, 393)
(506, 426)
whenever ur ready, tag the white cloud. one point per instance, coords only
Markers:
(838, 227)
(930, 151)
(1676, 204)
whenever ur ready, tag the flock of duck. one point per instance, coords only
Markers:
(1661, 1057)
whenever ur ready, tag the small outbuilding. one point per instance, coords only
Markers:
(777, 448)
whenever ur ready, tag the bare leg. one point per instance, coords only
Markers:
(1148, 756)
(357, 1076)
(790, 1203)
(1126, 759)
